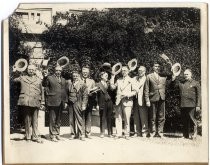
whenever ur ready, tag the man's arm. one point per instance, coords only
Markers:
(198, 96)
(84, 97)
(112, 84)
(146, 92)
(17, 80)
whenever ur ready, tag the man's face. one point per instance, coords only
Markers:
(31, 71)
(187, 75)
(58, 71)
(156, 68)
(141, 71)
(75, 76)
(104, 77)
(125, 71)
(85, 72)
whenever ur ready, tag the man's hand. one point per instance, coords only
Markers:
(97, 108)
(148, 104)
(197, 109)
(45, 73)
(42, 107)
(65, 105)
(83, 108)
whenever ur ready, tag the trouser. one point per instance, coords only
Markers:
(55, 120)
(87, 116)
(105, 117)
(140, 119)
(31, 120)
(71, 119)
(79, 120)
(123, 113)
(188, 117)
(157, 116)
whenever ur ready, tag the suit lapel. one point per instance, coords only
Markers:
(77, 86)
(56, 79)
(30, 80)
(154, 78)
(125, 84)
(102, 87)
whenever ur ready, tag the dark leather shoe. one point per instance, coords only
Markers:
(148, 135)
(38, 140)
(157, 135)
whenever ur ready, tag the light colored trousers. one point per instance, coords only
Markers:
(122, 113)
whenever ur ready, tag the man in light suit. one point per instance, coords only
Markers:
(90, 83)
(124, 101)
(155, 94)
(140, 105)
(190, 102)
(56, 100)
(31, 98)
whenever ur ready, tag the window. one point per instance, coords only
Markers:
(32, 16)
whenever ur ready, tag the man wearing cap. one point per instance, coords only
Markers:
(124, 101)
(56, 100)
(90, 83)
(155, 95)
(78, 99)
(190, 102)
(31, 98)
(140, 105)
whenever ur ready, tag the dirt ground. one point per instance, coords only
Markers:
(170, 148)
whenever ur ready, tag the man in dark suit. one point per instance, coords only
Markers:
(155, 94)
(31, 98)
(190, 102)
(56, 100)
(105, 104)
(78, 99)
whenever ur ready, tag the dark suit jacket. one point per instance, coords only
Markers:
(56, 92)
(102, 95)
(155, 88)
(190, 93)
(78, 94)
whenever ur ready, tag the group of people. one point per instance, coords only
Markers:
(142, 95)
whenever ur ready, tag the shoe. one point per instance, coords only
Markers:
(88, 136)
(110, 136)
(54, 139)
(71, 137)
(59, 138)
(117, 137)
(140, 135)
(157, 135)
(82, 138)
(38, 140)
(127, 138)
(148, 135)
(102, 136)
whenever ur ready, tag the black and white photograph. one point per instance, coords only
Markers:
(105, 83)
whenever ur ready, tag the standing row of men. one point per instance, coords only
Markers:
(142, 95)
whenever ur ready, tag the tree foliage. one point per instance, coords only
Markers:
(120, 34)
